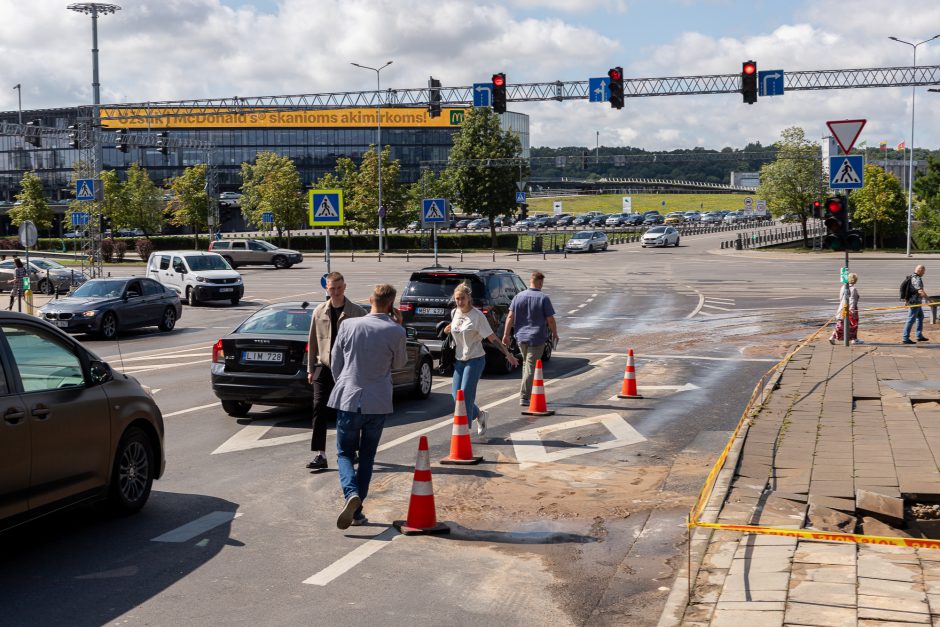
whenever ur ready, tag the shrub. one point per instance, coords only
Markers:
(144, 247)
(120, 249)
(107, 250)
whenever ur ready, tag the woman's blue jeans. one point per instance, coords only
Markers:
(466, 376)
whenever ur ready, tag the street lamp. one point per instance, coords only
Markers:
(910, 173)
(378, 142)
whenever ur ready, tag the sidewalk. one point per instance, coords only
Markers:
(849, 441)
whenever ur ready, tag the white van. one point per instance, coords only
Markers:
(196, 276)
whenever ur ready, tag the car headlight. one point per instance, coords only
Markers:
(201, 279)
(88, 314)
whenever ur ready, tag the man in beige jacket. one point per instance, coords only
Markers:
(324, 326)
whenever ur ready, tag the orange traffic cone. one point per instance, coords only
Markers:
(461, 450)
(537, 405)
(628, 389)
(422, 519)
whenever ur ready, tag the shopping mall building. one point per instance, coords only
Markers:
(313, 139)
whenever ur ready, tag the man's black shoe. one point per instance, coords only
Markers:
(922, 339)
(908, 342)
(318, 463)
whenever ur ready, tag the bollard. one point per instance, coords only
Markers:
(352, 256)
(28, 297)
(543, 254)
(494, 255)
(517, 253)
(566, 253)
(407, 255)
(461, 254)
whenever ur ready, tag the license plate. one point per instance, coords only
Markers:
(431, 311)
(226, 289)
(264, 356)
(62, 323)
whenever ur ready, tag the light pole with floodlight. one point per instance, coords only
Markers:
(378, 143)
(910, 172)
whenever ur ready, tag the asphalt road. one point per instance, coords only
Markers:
(577, 518)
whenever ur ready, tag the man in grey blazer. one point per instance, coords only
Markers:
(364, 353)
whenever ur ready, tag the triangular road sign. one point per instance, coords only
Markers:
(846, 132)
(434, 212)
(326, 209)
(846, 173)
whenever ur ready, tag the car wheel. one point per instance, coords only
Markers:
(643, 245)
(109, 326)
(235, 302)
(191, 297)
(236, 409)
(45, 286)
(132, 474)
(677, 242)
(590, 248)
(168, 321)
(230, 262)
(280, 262)
(424, 378)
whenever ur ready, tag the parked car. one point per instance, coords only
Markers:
(524, 225)
(599, 220)
(733, 217)
(230, 199)
(45, 275)
(587, 241)
(462, 224)
(653, 219)
(790, 217)
(196, 276)
(711, 218)
(544, 222)
(255, 252)
(674, 218)
(633, 219)
(264, 361)
(479, 223)
(582, 220)
(693, 216)
(75, 234)
(660, 236)
(414, 225)
(564, 220)
(108, 306)
(616, 220)
(427, 301)
(74, 430)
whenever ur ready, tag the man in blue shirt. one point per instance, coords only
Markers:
(532, 315)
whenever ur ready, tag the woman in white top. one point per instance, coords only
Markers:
(469, 327)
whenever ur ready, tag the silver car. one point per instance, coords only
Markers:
(587, 241)
(660, 236)
(45, 275)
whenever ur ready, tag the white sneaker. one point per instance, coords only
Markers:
(481, 422)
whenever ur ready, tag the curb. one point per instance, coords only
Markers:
(678, 599)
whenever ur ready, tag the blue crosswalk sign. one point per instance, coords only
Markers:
(599, 89)
(482, 94)
(846, 172)
(326, 207)
(434, 210)
(770, 83)
(85, 189)
(520, 196)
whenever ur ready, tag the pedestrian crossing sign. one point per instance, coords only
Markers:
(85, 189)
(846, 172)
(434, 210)
(326, 207)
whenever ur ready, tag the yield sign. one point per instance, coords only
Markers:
(846, 132)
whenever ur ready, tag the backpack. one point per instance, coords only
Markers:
(906, 290)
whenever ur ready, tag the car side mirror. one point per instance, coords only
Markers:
(99, 372)
(125, 297)
(411, 333)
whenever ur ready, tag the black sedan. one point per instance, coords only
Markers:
(107, 306)
(264, 361)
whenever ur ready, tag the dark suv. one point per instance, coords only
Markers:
(428, 298)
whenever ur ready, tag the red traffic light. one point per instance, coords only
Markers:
(749, 67)
(834, 206)
(614, 75)
(499, 80)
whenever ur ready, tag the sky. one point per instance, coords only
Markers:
(155, 50)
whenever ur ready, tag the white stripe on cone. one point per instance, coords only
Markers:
(422, 488)
(538, 389)
(461, 408)
(461, 429)
(424, 461)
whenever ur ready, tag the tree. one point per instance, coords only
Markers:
(795, 179)
(477, 186)
(114, 202)
(880, 205)
(145, 201)
(364, 193)
(33, 205)
(189, 205)
(272, 185)
(927, 185)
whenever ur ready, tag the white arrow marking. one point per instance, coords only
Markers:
(688, 387)
(775, 75)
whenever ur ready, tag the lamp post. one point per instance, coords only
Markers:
(378, 143)
(19, 98)
(910, 173)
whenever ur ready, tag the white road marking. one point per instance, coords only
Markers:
(579, 338)
(197, 527)
(701, 301)
(202, 353)
(140, 369)
(719, 300)
(594, 295)
(581, 305)
(571, 312)
(190, 410)
(353, 558)
(675, 388)
(530, 451)
(689, 357)
(590, 300)
(717, 307)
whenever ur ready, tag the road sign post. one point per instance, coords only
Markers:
(326, 210)
(433, 212)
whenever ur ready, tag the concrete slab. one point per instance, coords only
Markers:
(813, 614)
(746, 618)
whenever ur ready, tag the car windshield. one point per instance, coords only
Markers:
(441, 286)
(206, 262)
(584, 235)
(658, 229)
(100, 289)
(46, 264)
(293, 321)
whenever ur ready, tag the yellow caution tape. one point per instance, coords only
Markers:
(808, 534)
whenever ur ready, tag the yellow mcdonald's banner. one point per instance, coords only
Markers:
(163, 118)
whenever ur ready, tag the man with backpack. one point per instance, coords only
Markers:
(913, 293)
